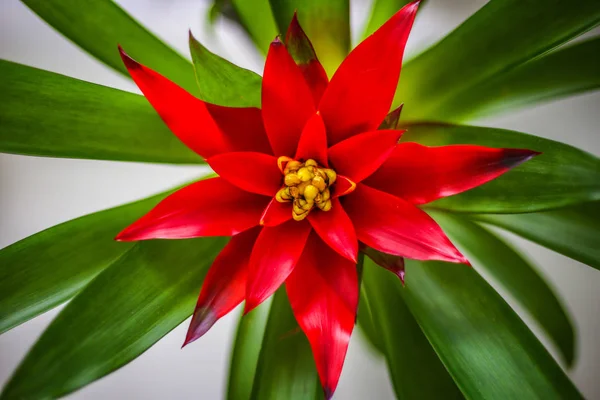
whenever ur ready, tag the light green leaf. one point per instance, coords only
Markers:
(560, 176)
(415, 369)
(224, 83)
(47, 114)
(286, 368)
(132, 304)
(48, 268)
(488, 350)
(565, 72)
(326, 22)
(572, 231)
(97, 26)
(246, 350)
(382, 11)
(257, 19)
(502, 35)
(516, 275)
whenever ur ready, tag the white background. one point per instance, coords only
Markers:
(36, 193)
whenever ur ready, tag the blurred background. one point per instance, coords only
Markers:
(36, 193)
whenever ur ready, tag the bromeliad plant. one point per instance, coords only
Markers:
(316, 182)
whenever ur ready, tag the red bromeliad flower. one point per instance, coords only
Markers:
(305, 180)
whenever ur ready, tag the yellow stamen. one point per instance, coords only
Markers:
(282, 160)
(307, 186)
(291, 179)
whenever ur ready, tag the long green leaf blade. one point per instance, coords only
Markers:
(517, 276)
(565, 72)
(487, 349)
(51, 115)
(97, 26)
(246, 350)
(326, 22)
(131, 305)
(502, 35)
(562, 175)
(572, 231)
(257, 19)
(48, 268)
(221, 82)
(415, 369)
(286, 368)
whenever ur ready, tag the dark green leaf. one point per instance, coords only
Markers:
(415, 369)
(48, 268)
(382, 11)
(224, 83)
(572, 231)
(97, 26)
(142, 296)
(502, 35)
(286, 368)
(488, 350)
(562, 175)
(47, 114)
(565, 72)
(326, 22)
(246, 349)
(257, 19)
(516, 275)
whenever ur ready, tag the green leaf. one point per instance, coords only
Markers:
(565, 72)
(517, 276)
(47, 114)
(488, 350)
(142, 296)
(326, 22)
(572, 231)
(246, 349)
(561, 176)
(224, 83)
(502, 35)
(382, 11)
(258, 21)
(97, 26)
(48, 268)
(415, 369)
(286, 368)
(365, 319)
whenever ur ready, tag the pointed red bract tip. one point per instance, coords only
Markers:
(392, 120)
(124, 236)
(201, 323)
(402, 276)
(277, 41)
(328, 393)
(414, 3)
(294, 28)
(129, 62)
(515, 157)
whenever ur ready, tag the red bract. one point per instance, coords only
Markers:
(305, 180)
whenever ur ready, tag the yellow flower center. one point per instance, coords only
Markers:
(306, 185)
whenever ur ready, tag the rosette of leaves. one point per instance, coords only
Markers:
(445, 333)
